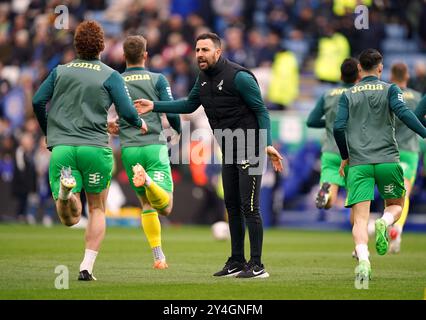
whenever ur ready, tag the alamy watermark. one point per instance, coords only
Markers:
(62, 20)
(62, 280)
(222, 146)
(361, 20)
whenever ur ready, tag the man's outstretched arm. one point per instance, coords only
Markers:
(188, 105)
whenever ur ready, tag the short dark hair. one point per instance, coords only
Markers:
(134, 48)
(89, 40)
(349, 70)
(212, 36)
(369, 59)
(399, 71)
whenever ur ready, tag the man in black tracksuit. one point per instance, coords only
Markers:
(234, 107)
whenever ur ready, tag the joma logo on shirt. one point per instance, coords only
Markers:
(85, 65)
(367, 87)
(338, 91)
(136, 77)
(94, 178)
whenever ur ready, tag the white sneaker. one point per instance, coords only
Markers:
(31, 219)
(371, 228)
(82, 224)
(67, 183)
(395, 239)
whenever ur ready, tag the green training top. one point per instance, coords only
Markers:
(153, 86)
(327, 106)
(421, 110)
(405, 137)
(246, 86)
(366, 120)
(80, 94)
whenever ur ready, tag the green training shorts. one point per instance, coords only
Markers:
(330, 164)
(155, 160)
(362, 178)
(91, 167)
(409, 161)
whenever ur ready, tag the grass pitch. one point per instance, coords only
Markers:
(302, 265)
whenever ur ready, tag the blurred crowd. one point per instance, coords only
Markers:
(254, 32)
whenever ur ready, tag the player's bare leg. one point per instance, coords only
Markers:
(95, 233)
(361, 213)
(333, 191)
(95, 230)
(396, 230)
(68, 204)
(69, 211)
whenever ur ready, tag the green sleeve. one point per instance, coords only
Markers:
(120, 96)
(397, 104)
(165, 94)
(340, 126)
(174, 121)
(249, 91)
(188, 105)
(315, 117)
(420, 111)
(41, 97)
(163, 88)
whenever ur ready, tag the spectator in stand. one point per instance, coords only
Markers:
(418, 82)
(24, 176)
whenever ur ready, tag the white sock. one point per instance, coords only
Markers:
(362, 252)
(158, 253)
(388, 218)
(64, 194)
(89, 260)
(399, 229)
(147, 180)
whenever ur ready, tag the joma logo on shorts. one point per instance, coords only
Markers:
(94, 178)
(389, 188)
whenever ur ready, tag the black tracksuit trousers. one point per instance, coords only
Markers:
(242, 192)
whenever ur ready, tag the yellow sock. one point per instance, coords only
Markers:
(404, 214)
(152, 227)
(157, 196)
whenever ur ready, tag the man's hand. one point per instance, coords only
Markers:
(143, 106)
(275, 157)
(113, 127)
(144, 128)
(343, 164)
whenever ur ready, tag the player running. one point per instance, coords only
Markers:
(80, 94)
(365, 135)
(408, 144)
(323, 116)
(145, 157)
